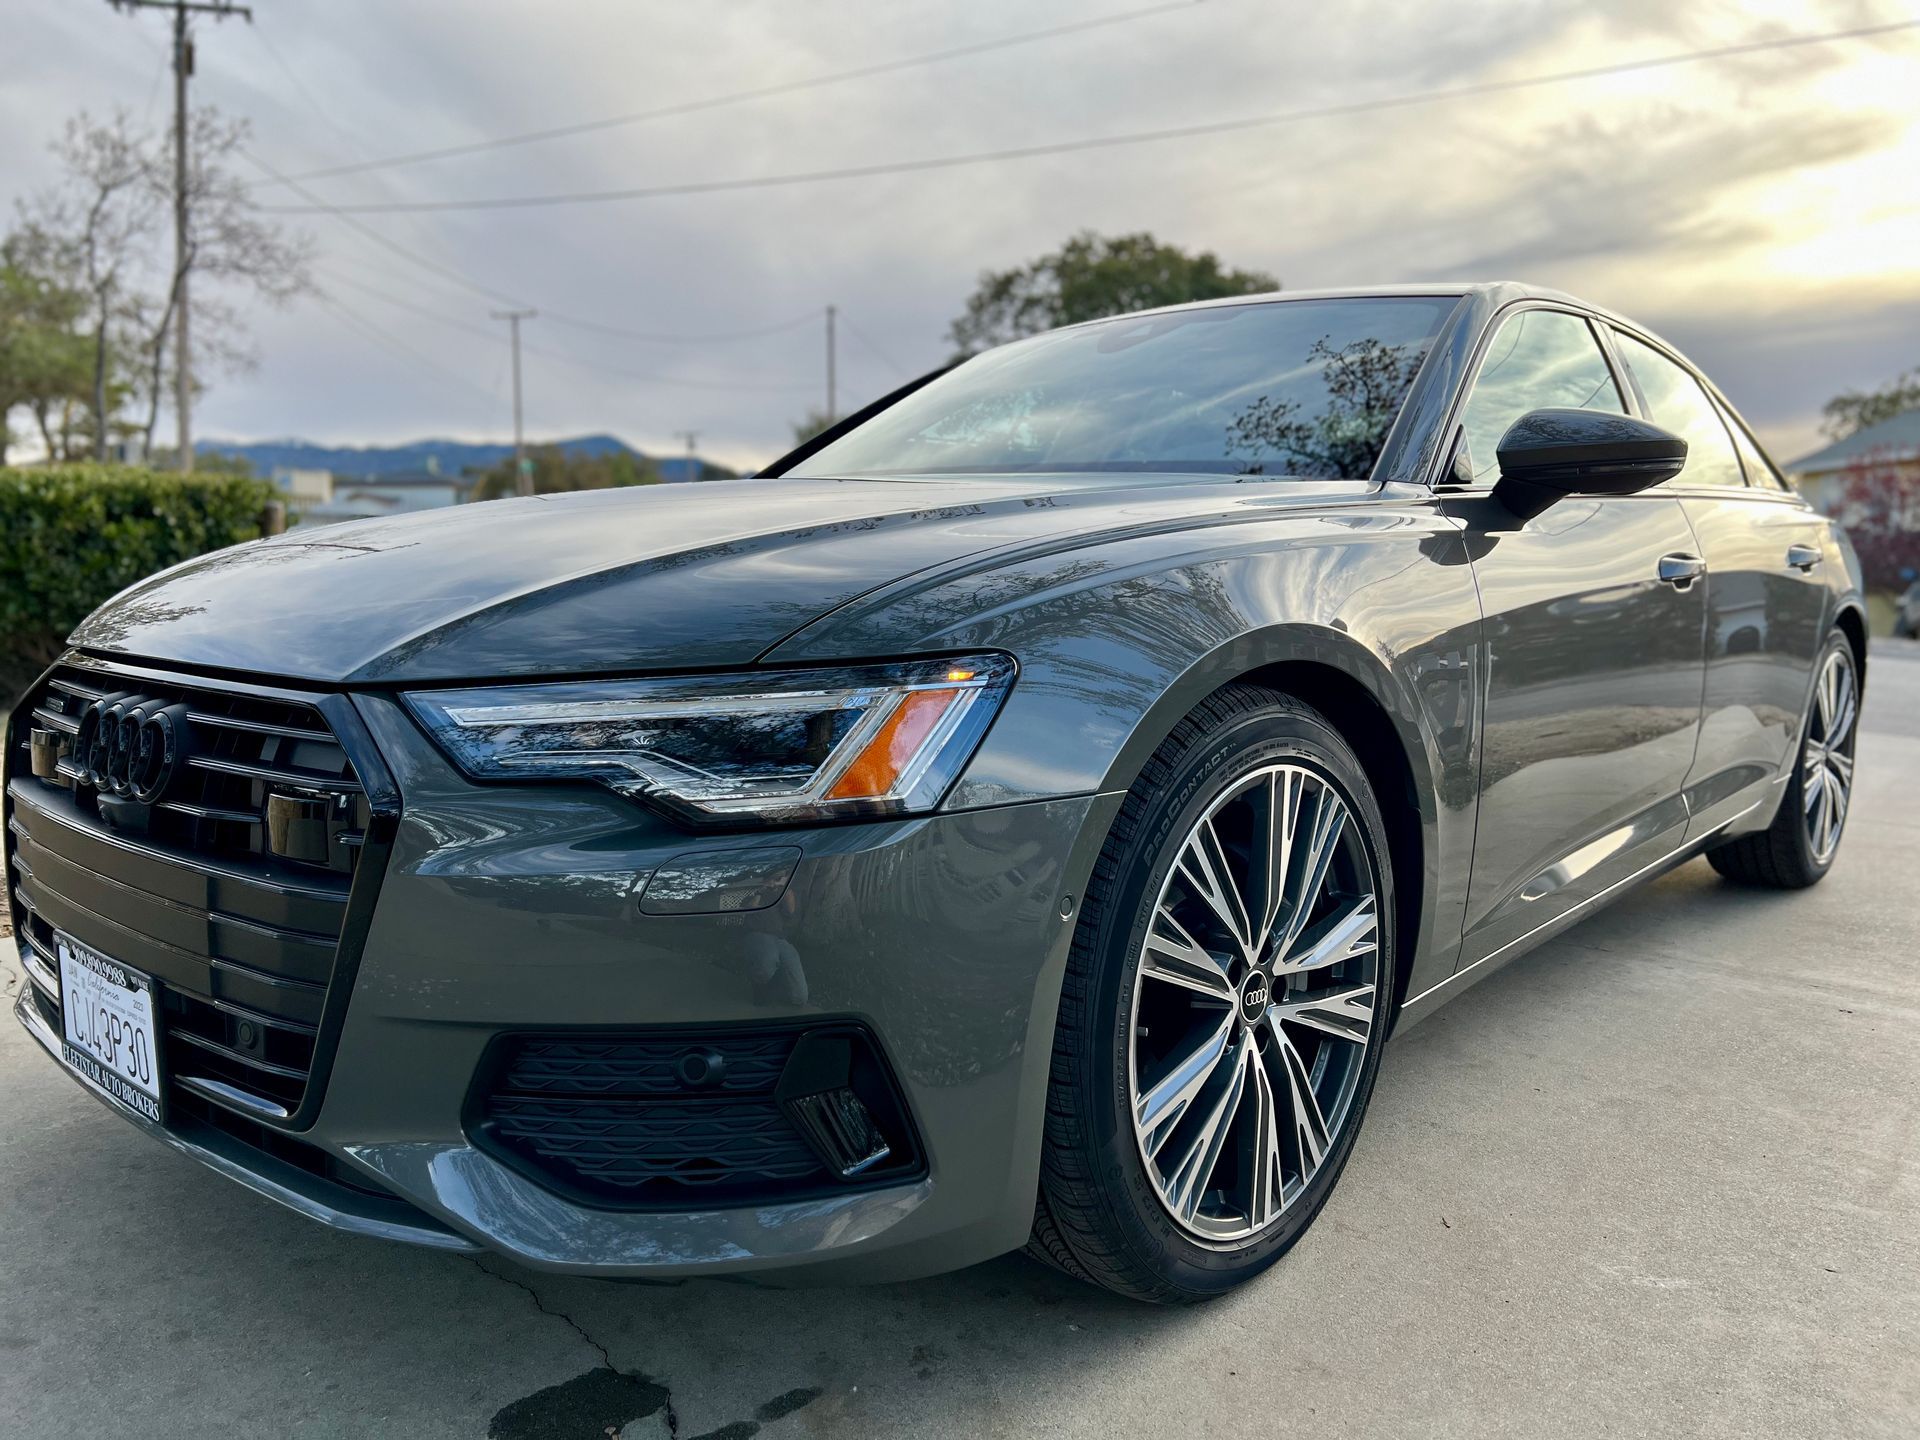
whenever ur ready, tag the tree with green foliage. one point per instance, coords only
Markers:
(1090, 277)
(815, 423)
(1854, 410)
(102, 230)
(556, 471)
(205, 462)
(43, 359)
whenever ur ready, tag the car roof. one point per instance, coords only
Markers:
(1489, 297)
(1496, 292)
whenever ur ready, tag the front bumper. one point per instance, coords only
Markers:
(510, 909)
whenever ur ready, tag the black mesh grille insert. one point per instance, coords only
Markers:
(625, 1148)
(668, 1120)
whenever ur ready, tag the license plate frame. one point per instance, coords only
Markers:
(114, 1046)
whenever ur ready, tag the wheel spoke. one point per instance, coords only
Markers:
(1265, 1162)
(1837, 798)
(1174, 956)
(1203, 865)
(1343, 936)
(1328, 825)
(1187, 1182)
(1843, 710)
(1307, 1125)
(1824, 701)
(1342, 1011)
(1284, 790)
(1841, 764)
(1813, 786)
(1161, 1109)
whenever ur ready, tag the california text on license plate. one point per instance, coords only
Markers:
(111, 1037)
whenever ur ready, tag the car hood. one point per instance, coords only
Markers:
(654, 577)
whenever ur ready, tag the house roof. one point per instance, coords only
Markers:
(403, 478)
(1895, 439)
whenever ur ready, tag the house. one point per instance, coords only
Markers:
(399, 492)
(303, 488)
(1893, 445)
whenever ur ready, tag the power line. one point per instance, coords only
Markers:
(467, 282)
(881, 355)
(594, 366)
(1102, 142)
(715, 102)
(341, 311)
(384, 242)
(722, 337)
(300, 86)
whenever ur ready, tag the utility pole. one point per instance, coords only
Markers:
(693, 465)
(182, 253)
(832, 413)
(522, 477)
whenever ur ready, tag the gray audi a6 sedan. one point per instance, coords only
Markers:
(1021, 816)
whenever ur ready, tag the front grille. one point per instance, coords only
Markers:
(680, 1119)
(231, 883)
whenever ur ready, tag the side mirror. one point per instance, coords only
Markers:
(1548, 455)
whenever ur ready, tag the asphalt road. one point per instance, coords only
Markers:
(1660, 1177)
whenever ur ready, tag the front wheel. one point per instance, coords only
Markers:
(1224, 1008)
(1799, 847)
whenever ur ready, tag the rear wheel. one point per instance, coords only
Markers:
(1226, 998)
(1799, 847)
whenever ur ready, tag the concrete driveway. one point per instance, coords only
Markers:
(1660, 1177)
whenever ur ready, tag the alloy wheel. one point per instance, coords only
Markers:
(1258, 993)
(1826, 765)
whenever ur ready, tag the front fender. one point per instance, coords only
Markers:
(1119, 640)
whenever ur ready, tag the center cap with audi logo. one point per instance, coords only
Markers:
(1254, 994)
(130, 747)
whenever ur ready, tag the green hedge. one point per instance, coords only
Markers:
(73, 535)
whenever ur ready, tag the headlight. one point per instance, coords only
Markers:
(761, 746)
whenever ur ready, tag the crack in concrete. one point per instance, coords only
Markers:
(611, 1397)
(541, 1305)
(635, 1377)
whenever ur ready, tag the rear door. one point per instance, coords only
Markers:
(1766, 592)
(1593, 661)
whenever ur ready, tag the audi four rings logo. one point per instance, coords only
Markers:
(130, 747)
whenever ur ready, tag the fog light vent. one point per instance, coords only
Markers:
(675, 1119)
(839, 1097)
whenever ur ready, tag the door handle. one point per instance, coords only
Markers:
(1803, 558)
(1680, 570)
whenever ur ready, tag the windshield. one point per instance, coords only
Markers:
(1305, 388)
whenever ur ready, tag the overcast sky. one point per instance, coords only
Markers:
(1762, 212)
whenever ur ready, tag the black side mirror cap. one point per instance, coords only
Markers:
(1547, 455)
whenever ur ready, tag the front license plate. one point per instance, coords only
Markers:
(112, 1038)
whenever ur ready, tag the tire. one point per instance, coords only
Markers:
(1158, 1229)
(1794, 851)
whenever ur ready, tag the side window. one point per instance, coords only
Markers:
(1759, 469)
(1538, 358)
(1676, 402)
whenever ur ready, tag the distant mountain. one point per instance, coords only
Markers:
(449, 457)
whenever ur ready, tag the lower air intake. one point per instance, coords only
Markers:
(691, 1120)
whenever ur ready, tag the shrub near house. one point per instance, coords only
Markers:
(73, 535)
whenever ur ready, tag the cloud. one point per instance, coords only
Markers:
(1673, 194)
